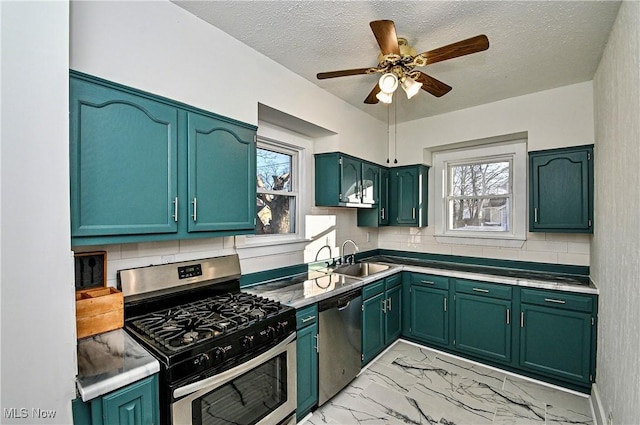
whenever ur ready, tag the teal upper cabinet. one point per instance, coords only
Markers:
(408, 203)
(124, 149)
(379, 215)
(561, 190)
(344, 181)
(146, 168)
(222, 165)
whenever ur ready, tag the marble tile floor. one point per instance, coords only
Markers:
(410, 384)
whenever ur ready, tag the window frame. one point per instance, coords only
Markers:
(297, 159)
(516, 152)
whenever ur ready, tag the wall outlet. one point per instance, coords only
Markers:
(166, 259)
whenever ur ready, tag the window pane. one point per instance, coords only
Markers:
(276, 214)
(479, 214)
(479, 179)
(273, 170)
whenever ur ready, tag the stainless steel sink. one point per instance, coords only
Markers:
(360, 269)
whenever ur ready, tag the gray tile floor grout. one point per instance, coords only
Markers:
(412, 384)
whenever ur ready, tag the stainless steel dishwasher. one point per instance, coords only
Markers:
(339, 342)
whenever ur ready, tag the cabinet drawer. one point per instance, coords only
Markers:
(373, 289)
(393, 281)
(483, 289)
(557, 300)
(439, 282)
(306, 316)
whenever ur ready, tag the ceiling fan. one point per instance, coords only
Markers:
(397, 62)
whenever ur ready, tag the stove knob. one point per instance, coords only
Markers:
(281, 328)
(219, 353)
(201, 360)
(247, 341)
(271, 332)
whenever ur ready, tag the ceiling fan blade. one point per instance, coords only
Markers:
(372, 99)
(385, 32)
(343, 73)
(461, 48)
(433, 86)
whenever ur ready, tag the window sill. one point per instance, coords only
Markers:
(492, 242)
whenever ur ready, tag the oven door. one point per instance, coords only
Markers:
(260, 391)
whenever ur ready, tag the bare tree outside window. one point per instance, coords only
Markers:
(479, 196)
(276, 199)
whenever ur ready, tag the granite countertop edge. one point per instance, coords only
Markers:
(110, 361)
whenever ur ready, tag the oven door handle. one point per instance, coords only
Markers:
(220, 378)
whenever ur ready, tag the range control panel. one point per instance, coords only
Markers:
(186, 272)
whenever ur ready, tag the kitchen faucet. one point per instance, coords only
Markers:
(355, 249)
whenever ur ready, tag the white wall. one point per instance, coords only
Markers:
(38, 316)
(615, 257)
(549, 119)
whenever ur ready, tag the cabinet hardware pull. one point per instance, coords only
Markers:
(389, 308)
(175, 209)
(384, 306)
(522, 319)
(317, 337)
(535, 215)
(445, 304)
(508, 316)
(481, 290)
(382, 213)
(428, 282)
(553, 300)
(306, 319)
(413, 213)
(195, 209)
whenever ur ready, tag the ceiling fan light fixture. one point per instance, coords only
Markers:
(410, 86)
(385, 97)
(388, 83)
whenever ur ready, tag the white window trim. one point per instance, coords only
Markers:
(298, 180)
(517, 149)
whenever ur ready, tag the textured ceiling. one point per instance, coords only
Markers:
(534, 45)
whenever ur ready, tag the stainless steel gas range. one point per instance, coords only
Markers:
(226, 357)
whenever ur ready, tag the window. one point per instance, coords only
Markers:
(277, 188)
(481, 194)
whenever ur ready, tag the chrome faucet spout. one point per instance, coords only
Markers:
(355, 249)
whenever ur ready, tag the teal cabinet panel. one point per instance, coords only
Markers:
(379, 215)
(373, 327)
(307, 368)
(557, 334)
(381, 315)
(350, 180)
(123, 162)
(222, 165)
(408, 196)
(561, 190)
(135, 404)
(429, 314)
(370, 186)
(483, 326)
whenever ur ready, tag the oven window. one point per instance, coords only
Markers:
(246, 399)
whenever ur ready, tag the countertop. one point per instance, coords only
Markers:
(308, 288)
(110, 361)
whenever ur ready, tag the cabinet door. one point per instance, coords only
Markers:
(370, 183)
(429, 314)
(406, 185)
(383, 203)
(123, 162)
(373, 339)
(393, 315)
(556, 342)
(307, 369)
(350, 180)
(483, 326)
(561, 191)
(221, 175)
(136, 404)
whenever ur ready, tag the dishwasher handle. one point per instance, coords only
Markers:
(341, 301)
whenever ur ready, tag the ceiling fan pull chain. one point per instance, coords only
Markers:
(388, 141)
(395, 129)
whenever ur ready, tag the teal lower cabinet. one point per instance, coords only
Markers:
(135, 404)
(557, 334)
(483, 325)
(381, 315)
(307, 359)
(429, 308)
